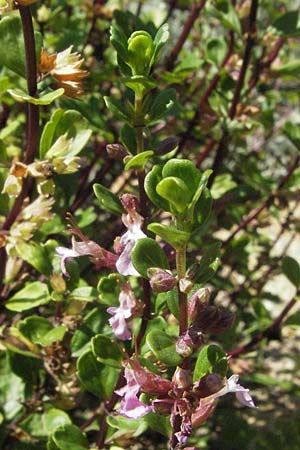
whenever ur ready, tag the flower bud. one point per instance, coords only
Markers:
(197, 303)
(184, 345)
(140, 51)
(182, 378)
(208, 385)
(116, 151)
(43, 14)
(130, 203)
(161, 280)
(167, 145)
(185, 285)
(12, 186)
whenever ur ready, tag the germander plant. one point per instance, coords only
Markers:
(124, 334)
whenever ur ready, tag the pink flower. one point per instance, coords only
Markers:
(100, 256)
(133, 222)
(131, 406)
(231, 385)
(119, 314)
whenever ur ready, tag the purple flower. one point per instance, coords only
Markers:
(131, 406)
(133, 223)
(86, 247)
(119, 314)
(242, 394)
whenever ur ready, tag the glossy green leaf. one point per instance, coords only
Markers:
(222, 184)
(203, 207)
(292, 131)
(185, 170)
(170, 234)
(128, 138)
(34, 328)
(161, 103)
(163, 347)
(211, 359)
(139, 161)
(95, 376)
(83, 294)
(161, 38)
(151, 181)
(69, 123)
(288, 23)
(139, 84)
(107, 200)
(69, 437)
(12, 51)
(210, 261)
(118, 109)
(36, 255)
(55, 418)
(147, 253)
(54, 335)
(226, 13)
(45, 99)
(107, 351)
(176, 192)
(291, 269)
(109, 288)
(32, 295)
(216, 49)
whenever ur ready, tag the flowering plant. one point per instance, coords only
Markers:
(129, 271)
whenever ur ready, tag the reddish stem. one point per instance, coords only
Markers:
(195, 11)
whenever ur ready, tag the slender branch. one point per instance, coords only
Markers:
(269, 332)
(195, 11)
(32, 123)
(250, 42)
(255, 213)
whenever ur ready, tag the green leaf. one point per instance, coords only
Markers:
(12, 51)
(95, 376)
(176, 192)
(170, 234)
(216, 49)
(288, 23)
(34, 328)
(140, 85)
(147, 253)
(107, 200)
(135, 426)
(292, 131)
(161, 38)
(291, 269)
(32, 295)
(290, 69)
(84, 294)
(162, 102)
(54, 335)
(118, 109)
(203, 207)
(222, 184)
(128, 138)
(46, 99)
(107, 351)
(163, 347)
(211, 359)
(151, 181)
(69, 123)
(69, 437)
(158, 423)
(55, 418)
(210, 261)
(227, 15)
(25, 367)
(185, 170)
(139, 161)
(36, 255)
(109, 288)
